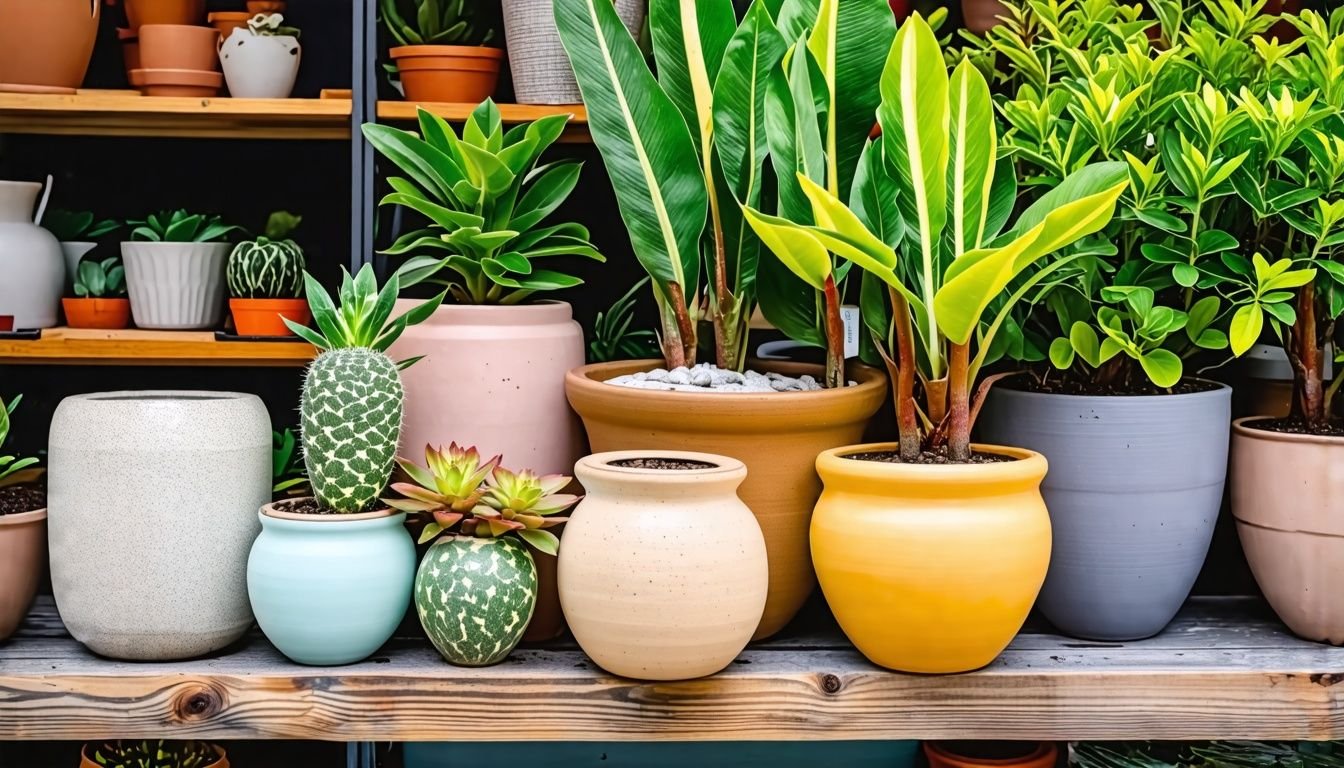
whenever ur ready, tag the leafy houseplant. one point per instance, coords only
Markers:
(79, 233)
(261, 60)
(613, 338)
(100, 296)
(10, 465)
(175, 264)
(287, 471)
(476, 588)
(23, 531)
(152, 754)
(265, 278)
(444, 50)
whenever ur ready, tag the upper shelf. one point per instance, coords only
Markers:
(127, 113)
(74, 346)
(575, 133)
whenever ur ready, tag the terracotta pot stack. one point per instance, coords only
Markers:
(45, 47)
(168, 52)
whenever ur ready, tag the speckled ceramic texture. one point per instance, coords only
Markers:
(662, 573)
(176, 286)
(152, 504)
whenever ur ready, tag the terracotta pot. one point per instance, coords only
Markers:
(931, 568)
(141, 12)
(448, 73)
(663, 572)
(1287, 498)
(177, 82)
(45, 46)
(265, 6)
(86, 762)
(266, 317)
(178, 46)
(106, 313)
(982, 15)
(777, 435)
(944, 754)
(130, 50)
(23, 556)
(227, 21)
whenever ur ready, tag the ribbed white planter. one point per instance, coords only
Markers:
(260, 66)
(176, 286)
(541, 70)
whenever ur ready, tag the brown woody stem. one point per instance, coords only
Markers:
(685, 328)
(959, 403)
(835, 336)
(1307, 364)
(907, 416)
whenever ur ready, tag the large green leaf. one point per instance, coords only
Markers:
(690, 38)
(792, 132)
(796, 18)
(644, 141)
(794, 245)
(972, 149)
(874, 197)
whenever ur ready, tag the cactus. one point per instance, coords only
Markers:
(270, 267)
(351, 408)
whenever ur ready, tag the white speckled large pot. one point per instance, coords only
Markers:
(176, 286)
(152, 507)
(662, 572)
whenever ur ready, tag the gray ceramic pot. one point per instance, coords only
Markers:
(1134, 489)
(152, 508)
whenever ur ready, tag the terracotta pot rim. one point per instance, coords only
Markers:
(545, 311)
(223, 16)
(1219, 390)
(462, 51)
(1028, 465)
(1241, 427)
(600, 463)
(23, 518)
(592, 378)
(192, 78)
(221, 755)
(265, 303)
(269, 510)
(116, 299)
(1043, 750)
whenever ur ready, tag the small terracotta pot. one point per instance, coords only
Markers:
(227, 21)
(105, 313)
(86, 762)
(943, 754)
(1287, 498)
(265, 6)
(45, 46)
(448, 73)
(777, 435)
(663, 572)
(6, 323)
(177, 82)
(130, 50)
(141, 12)
(266, 317)
(23, 555)
(178, 46)
(982, 15)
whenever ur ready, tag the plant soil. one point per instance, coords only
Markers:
(1296, 427)
(304, 506)
(17, 499)
(991, 750)
(654, 462)
(928, 457)
(1144, 388)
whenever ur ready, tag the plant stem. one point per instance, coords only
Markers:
(959, 405)
(1306, 359)
(835, 336)
(685, 340)
(903, 380)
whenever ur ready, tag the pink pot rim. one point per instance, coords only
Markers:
(537, 313)
(23, 518)
(1240, 428)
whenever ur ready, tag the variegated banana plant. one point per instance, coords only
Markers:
(929, 185)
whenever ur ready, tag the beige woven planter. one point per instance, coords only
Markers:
(541, 71)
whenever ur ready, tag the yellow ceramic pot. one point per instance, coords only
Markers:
(930, 568)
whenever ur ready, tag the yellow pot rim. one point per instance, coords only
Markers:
(1029, 466)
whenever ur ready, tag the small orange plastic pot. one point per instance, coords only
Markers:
(6, 323)
(464, 74)
(105, 314)
(944, 754)
(266, 317)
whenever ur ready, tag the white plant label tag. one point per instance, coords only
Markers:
(853, 321)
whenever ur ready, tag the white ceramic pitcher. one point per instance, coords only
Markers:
(32, 269)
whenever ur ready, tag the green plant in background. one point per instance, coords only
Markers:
(10, 464)
(271, 25)
(288, 475)
(73, 226)
(180, 227)
(440, 22)
(271, 266)
(929, 225)
(99, 279)
(351, 407)
(613, 338)
(461, 495)
(486, 199)
(153, 754)
(1214, 754)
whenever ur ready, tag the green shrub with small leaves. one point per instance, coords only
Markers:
(441, 22)
(153, 754)
(180, 227)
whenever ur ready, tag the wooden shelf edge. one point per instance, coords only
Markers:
(72, 346)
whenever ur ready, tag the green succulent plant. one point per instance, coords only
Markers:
(613, 339)
(153, 754)
(72, 226)
(180, 227)
(10, 464)
(440, 22)
(98, 279)
(271, 266)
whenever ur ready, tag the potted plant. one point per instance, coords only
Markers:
(261, 61)
(265, 278)
(79, 233)
(175, 265)
(476, 588)
(1173, 284)
(955, 537)
(330, 575)
(289, 476)
(991, 754)
(23, 531)
(46, 47)
(30, 259)
(699, 592)
(227, 21)
(683, 200)
(178, 60)
(153, 754)
(100, 296)
(443, 51)
(537, 65)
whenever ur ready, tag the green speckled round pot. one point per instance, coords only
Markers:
(475, 597)
(330, 589)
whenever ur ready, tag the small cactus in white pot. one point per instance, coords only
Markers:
(261, 61)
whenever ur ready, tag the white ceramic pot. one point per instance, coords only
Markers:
(152, 508)
(176, 286)
(32, 268)
(260, 66)
(662, 572)
(74, 252)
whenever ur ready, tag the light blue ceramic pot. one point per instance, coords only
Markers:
(330, 589)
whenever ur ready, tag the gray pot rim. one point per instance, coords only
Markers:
(1220, 390)
(1241, 428)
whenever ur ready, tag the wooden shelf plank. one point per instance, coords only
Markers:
(1225, 669)
(127, 113)
(575, 133)
(77, 346)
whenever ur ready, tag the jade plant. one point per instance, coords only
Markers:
(288, 475)
(486, 199)
(929, 227)
(180, 227)
(153, 754)
(9, 465)
(271, 266)
(352, 402)
(440, 22)
(100, 279)
(460, 494)
(72, 226)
